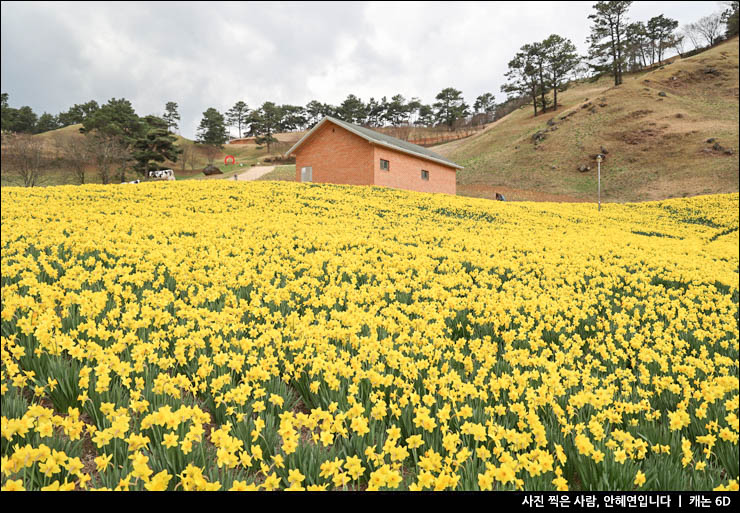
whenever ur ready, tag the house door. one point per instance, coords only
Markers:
(306, 174)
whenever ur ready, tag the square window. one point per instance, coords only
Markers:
(384, 165)
(424, 174)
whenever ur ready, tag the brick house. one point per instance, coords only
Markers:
(335, 151)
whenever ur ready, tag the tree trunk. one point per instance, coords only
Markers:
(614, 54)
(619, 55)
(542, 85)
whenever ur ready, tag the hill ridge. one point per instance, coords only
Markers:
(654, 128)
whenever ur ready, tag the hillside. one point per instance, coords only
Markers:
(245, 154)
(655, 128)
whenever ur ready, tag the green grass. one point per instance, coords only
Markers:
(285, 173)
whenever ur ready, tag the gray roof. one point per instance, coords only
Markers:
(381, 139)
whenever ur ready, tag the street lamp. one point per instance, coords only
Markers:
(598, 163)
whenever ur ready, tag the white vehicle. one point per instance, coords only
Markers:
(162, 174)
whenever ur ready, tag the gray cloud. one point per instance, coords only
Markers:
(212, 54)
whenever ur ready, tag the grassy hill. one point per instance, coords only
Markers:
(655, 127)
(244, 154)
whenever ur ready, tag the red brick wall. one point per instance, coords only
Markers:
(336, 156)
(405, 173)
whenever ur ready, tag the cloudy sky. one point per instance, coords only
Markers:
(212, 54)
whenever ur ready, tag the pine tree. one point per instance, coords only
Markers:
(486, 104)
(116, 118)
(212, 129)
(352, 109)
(607, 38)
(450, 106)
(46, 123)
(171, 116)
(660, 31)
(730, 18)
(264, 123)
(313, 112)
(293, 118)
(560, 59)
(155, 146)
(237, 116)
(523, 76)
(426, 116)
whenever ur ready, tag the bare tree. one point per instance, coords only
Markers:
(108, 153)
(710, 27)
(193, 158)
(678, 43)
(73, 153)
(122, 160)
(24, 160)
(211, 151)
(186, 151)
(580, 71)
(691, 32)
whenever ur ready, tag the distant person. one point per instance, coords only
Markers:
(500, 197)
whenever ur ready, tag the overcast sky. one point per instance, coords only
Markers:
(213, 54)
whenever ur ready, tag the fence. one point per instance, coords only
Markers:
(443, 138)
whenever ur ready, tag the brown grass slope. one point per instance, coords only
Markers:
(656, 143)
(245, 154)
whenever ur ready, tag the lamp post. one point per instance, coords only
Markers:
(598, 163)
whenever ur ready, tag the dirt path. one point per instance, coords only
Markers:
(254, 173)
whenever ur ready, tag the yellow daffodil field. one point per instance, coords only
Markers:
(213, 335)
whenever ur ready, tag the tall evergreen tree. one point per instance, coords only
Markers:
(426, 116)
(212, 129)
(237, 116)
(155, 146)
(372, 112)
(293, 117)
(24, 120)
(397, 109)
(314, 112)
(352, 109)
(171, 116)
(486, 104)
(730, 18)
(660, 31)
(637, 46)
(7, 116)
(412, 107)
(117, 118)
(560, 59)
(522, 76)
(450, 106)
(265, 122)
(46, 123)
(78, 113)
(607, 38)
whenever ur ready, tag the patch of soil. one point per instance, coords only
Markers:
(703, 75)
(637, 114)
(638, 136)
